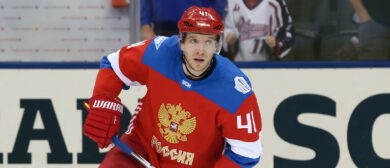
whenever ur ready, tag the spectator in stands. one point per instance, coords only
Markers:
(160, 17)
(257, 30)
(374, 30)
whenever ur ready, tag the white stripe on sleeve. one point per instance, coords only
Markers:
(114, 60)
(248, 149)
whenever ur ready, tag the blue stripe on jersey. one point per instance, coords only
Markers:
(242, 161)
(104, 63)
(220, 87)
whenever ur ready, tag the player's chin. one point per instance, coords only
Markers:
(201, 68)
(197, 64)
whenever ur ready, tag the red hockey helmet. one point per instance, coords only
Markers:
(200, 20)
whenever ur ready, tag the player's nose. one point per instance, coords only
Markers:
(200, 49)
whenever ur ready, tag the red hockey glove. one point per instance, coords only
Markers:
(103, 120)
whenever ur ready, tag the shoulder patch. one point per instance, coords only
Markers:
(159, 40)
(241, 85)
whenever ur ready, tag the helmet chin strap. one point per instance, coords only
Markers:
(184, 59)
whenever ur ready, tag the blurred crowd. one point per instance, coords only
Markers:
(286, 30)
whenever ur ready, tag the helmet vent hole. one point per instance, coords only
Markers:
(218, 27)
(188, 24)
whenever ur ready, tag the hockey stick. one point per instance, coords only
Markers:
(121, 145)
(125, 148)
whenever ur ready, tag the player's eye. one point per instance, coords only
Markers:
(193, 41)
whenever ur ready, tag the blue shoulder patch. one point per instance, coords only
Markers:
(227, 86)
(162, 54)
(158, 41)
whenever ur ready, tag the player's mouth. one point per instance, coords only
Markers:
(199, 60)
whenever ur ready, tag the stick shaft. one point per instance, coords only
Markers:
(125, 148)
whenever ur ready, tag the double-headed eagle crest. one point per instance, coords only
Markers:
(175, 123)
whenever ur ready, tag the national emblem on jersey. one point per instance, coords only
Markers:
(175, 123)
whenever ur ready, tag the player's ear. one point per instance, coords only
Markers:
(180, 40)
(181, 43)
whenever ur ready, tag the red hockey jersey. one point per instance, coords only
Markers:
(213, 122)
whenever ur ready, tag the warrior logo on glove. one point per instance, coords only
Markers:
(108, 105)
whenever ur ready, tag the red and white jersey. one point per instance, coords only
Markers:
(252, 27)
(213, 122)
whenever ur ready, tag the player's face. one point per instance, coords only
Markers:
(198, 50)
(251, 3)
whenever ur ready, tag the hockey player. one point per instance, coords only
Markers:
(199, 109)
(262, 28)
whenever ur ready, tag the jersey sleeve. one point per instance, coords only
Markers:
(276, 20)
(127, 64)
(146, 12)
(122, 69)
(242, 133)
(286, 33)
